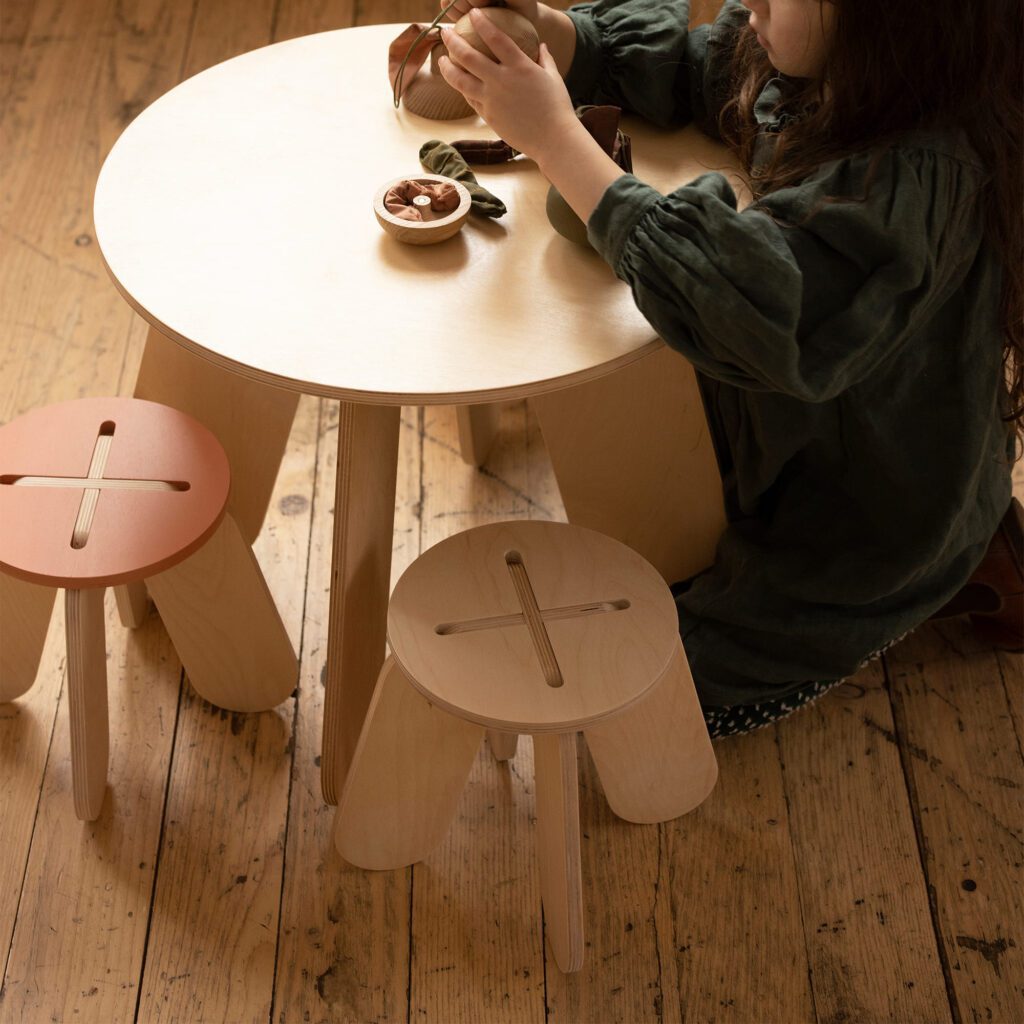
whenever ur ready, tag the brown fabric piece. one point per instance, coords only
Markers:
(441, 158)
(398, 200)
(400, 47)
(484, 151)
(603, 124)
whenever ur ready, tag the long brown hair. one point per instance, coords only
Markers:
(897, 65)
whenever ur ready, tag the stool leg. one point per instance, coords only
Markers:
(24, 618)
(132, 603)
(87, 698)
(225, 626)
(558, 846)
(407, 774)
(655, 759)
(503, 744)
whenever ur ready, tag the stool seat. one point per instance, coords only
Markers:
(129, 494)
(99, 492)
(532, 626)
(526, 627)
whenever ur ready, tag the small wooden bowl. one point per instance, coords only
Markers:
(425, 232)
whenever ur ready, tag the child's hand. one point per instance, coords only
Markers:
(527, 8)
(525, 103)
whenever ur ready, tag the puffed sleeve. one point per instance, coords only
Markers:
(802, 293)
(641, 56)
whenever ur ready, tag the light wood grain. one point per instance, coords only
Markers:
(225, 626)
(655, 758)
(739, 945)
(478, 425)
(558, 847)
(611, 484)
(250, 420)
(364, 503)
(345, 937)
(344, 934)
(962, 761)
(561, 315)
(406, 777)
(212, 956)
(25, 610)
(503, 744)
(87, 699)
(479, 949)
(64, 335)
(854, 884)
(628, 971)
(604, 659)
(133, 603)
(85, 896)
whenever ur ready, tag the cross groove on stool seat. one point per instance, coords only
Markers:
(603, 631)
(158, 480)
(102, 492)
(526, 627)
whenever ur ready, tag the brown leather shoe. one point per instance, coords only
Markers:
(994, 595)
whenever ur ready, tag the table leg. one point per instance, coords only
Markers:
(24, 618)
(251, 420)
(364, 522)
(633, 458)
(132, 603)
(478, 427)
(224, 624)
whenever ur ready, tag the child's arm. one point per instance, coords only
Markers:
(528, 106)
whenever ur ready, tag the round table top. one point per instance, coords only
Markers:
(159, 485)
(235, 214)
(532, 626)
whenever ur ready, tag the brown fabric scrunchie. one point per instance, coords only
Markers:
(398, 200)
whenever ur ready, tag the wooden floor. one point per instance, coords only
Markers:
(859, 862)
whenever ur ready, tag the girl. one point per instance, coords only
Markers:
(857, 330)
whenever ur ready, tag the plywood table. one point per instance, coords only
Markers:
(235, 215)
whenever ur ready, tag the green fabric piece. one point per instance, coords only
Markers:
(848, 350)
(440, 158)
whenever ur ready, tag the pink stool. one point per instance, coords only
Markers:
(108, 492)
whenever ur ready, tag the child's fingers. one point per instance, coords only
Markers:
(547, 62)
(502, 45)
(458, 78)
(466, 56)
(460, 7)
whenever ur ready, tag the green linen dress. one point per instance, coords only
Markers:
(849, 355)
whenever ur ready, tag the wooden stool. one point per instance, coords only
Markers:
(107, 492)
(526, 627)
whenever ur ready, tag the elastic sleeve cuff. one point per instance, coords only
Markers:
(624, 202)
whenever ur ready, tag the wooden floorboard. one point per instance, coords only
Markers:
(858, 862)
